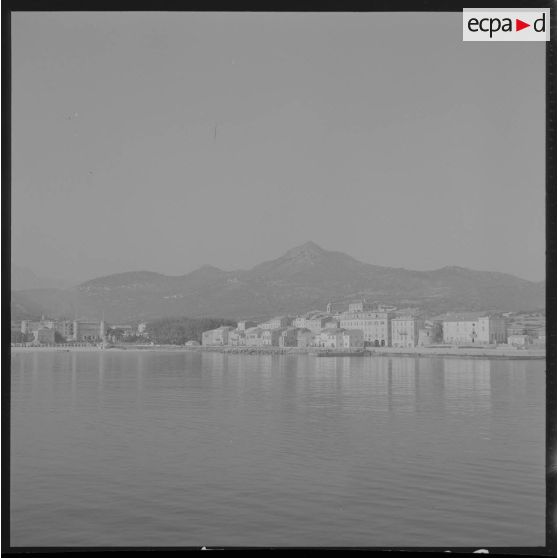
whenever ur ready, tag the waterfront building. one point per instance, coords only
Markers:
(65, 328)
(430, 334)
(472, 327)
(304, 337)
(192, 343)
(315, 321)
(142, 328)
(330, 338)
(288, 337)
(88, 331)
(375, 326)
(237, 338)
(29, 326)
(218, 336)
(519, 340)
(353, 339)
(254, 337)
(127, 330)
(405, 331)
(270, 337)
(44, 336)
(541, 338)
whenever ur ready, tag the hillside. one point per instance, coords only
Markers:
(304, 278)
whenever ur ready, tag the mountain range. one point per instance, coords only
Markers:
(304, 278)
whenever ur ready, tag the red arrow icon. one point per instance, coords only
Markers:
(519, 25)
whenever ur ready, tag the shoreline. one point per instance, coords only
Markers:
(465, 352)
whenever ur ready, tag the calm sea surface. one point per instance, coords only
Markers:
(137, 448)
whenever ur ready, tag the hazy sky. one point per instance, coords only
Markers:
(164, 141)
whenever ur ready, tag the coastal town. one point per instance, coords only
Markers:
(356, 326)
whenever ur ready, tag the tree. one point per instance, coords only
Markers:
(176, 331)
(59, 338)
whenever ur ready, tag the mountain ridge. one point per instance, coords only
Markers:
(303, 278)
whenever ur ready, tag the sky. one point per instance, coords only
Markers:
(166, 141)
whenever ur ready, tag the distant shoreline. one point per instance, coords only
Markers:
(465, 352)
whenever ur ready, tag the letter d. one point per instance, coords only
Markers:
(542, 21)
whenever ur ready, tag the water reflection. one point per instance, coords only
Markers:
(237, 449)
(467, 384)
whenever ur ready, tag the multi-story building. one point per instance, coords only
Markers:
(288, 337)
(330, 338)
(315, 321)
(270, 337)
(254, 337)
(125, 330)
(519, 340)
(405, 331)
(304, 337)
(353, 339)
(88, 331)
(237, 338)
(375, 326)
(69, 330)
(65, 328)
(29, 326)
(430, 334)
(360, 306)
(277, 322)
(474, 328)
(44, 336)
(218, 336)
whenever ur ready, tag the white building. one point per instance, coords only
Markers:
(375, 326)
(519, 340)
(315, 321)
(330, 338)
(254, 337)
(405, 331)
(219, 336)
(474, 328)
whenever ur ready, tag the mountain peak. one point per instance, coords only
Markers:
(308, 249)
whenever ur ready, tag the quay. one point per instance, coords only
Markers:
(449, 351)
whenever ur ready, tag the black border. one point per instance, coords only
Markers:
(302, 6)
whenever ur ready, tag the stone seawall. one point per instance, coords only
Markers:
(468, 352)
(464, 352)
